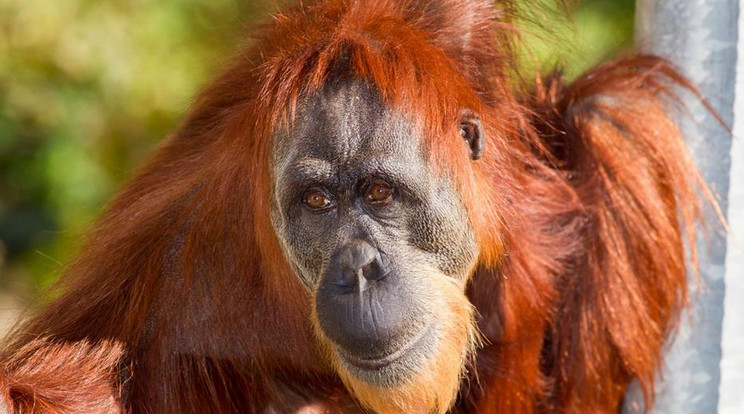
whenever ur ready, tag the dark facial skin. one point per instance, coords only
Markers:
(366, 224)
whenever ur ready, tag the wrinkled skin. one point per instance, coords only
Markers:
(370, 265)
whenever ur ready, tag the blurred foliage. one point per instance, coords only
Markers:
(575, 37)
(89, 87)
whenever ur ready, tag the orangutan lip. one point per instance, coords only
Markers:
(377, 363)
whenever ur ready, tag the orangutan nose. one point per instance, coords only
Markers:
(356, 262)
(359, 304)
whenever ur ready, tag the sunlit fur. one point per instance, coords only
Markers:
(580, 205)
(44, 377)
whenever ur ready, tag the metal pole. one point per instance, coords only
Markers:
(704, 366)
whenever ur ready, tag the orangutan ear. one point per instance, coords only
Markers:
(472, 131)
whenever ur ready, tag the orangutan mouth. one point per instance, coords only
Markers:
(372, 364)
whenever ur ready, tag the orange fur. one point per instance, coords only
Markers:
(581, 204)
(49, 378)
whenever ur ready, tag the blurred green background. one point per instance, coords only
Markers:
(89, 87)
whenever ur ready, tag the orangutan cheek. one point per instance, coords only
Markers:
(383, 244)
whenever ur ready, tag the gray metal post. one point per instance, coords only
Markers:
(704, 367)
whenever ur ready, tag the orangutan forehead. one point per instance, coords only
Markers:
(346, 125)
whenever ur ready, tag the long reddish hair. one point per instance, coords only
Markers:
(581, 203)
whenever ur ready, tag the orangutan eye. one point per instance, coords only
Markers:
(379, 194)
(317, 200)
